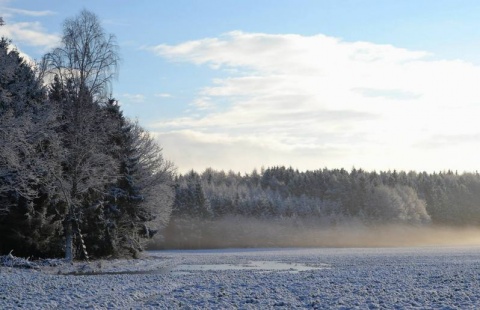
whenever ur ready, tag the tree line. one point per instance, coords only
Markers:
(77, 178)
(213, 202)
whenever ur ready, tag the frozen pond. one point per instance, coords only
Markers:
(362, 278)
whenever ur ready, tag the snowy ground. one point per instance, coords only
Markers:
(445, 278)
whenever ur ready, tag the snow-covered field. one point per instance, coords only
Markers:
(428, 277)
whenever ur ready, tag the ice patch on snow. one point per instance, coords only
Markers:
(267, 266)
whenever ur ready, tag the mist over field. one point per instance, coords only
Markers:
(238, 232)
(283, 207)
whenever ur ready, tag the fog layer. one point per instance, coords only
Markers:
(251, 232)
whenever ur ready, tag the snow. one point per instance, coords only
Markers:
(427, 277)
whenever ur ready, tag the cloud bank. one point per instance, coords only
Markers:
(316, 101)
(28, 33)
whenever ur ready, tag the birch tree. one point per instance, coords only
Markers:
(84, 67)
(88, 58)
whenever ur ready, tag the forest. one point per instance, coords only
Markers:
(272, 206)
(80, 180)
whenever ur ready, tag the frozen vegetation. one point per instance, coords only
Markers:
(281, 206)
(80, 180)
(423, 277)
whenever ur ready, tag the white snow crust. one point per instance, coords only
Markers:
(347, 278)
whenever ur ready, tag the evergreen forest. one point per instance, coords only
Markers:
(274, 206)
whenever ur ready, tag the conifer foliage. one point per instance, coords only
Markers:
(77, 178)
(217, 208)
(28, 222)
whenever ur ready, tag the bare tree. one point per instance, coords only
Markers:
(84, 66)
(88, 57)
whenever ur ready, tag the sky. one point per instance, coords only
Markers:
(311, 84)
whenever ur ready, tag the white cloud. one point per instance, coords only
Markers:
(303, 96)
(203, 103)
(30, 33)
(27, 33)
(163, 95)
(133, 98)
(12, 11)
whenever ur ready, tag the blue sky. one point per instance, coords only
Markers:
(310, 84)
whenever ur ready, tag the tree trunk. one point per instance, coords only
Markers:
(69, 237)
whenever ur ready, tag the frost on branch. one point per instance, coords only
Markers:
(76, 177)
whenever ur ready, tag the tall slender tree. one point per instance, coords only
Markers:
(88, 57)
(84, 65)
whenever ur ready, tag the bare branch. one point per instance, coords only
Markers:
(88, 57)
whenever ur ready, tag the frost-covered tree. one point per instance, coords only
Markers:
(83, 68)
(399, 204)
(87, 165)
(114, 182)
(73, 169)
(190, 198)
(88, 58)
(20, 89)
(28, 223)
(139, 202)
